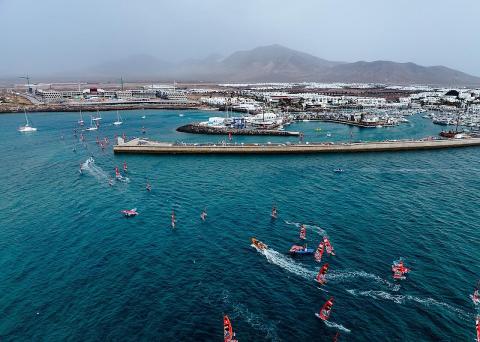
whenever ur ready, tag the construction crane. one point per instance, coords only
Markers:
(28, 82)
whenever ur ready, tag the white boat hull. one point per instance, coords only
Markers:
(27, 129)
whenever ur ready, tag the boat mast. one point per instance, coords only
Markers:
(458, 119)
(26, 117)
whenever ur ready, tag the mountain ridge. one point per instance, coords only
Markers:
(276, 63)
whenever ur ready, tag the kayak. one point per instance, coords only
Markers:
(259, 245)
(295, 249)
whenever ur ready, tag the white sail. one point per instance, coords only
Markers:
(27, 128)
(93, 126)
(119, 120)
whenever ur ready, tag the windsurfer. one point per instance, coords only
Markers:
(303, 232)
(203, 215)
(274, 212)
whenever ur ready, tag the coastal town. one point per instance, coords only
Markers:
(260, 106)
(240, 170)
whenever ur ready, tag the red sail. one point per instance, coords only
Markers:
(303, 233)
(328, 246)
(325, 310)
(227, 329)
(321, 274)
(478, 327)
(319, 252)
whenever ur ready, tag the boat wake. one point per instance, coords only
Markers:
(340, 276)
(317, 229)
(291, 266)
(287, 263)
(123, 179)
(94, 170)
(336, 326)
(256, 321)
(473, 300)
(402, 299)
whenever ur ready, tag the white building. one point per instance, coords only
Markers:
(49, 95)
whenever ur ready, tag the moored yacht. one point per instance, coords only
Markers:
(93, 125)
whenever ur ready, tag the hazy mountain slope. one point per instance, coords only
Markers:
(275, 63)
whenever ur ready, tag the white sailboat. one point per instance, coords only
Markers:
(93, 124)
(143, 116)
(80, 122)
(27, 128)
(98, 117)
(119, 120)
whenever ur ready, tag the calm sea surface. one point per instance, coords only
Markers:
(72, 268)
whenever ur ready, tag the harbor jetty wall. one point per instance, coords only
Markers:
(202, 129)
(140, 146)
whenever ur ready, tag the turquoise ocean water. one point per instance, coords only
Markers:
(72, 268)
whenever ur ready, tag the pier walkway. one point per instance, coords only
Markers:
(143, 146)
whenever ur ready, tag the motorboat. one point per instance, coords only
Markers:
(295, 249)
(259, 245)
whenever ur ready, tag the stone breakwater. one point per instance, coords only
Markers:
(141, 146)
(201, 129)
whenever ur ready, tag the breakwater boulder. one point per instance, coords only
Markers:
(202, 129)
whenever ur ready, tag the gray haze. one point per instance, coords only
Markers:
(42, 37)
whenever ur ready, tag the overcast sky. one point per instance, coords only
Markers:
(44, 36)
